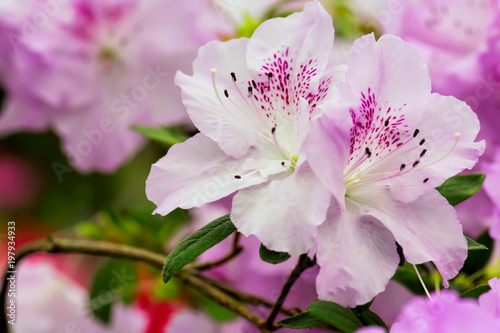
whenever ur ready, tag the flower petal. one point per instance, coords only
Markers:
(298, 44)
(193, 173)
(283, 213)
(440, 156)
(427, 229)
(327, 137)
(225, 123)
(389, 87)
(357, 256)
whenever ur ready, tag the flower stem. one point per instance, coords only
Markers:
(303, 264)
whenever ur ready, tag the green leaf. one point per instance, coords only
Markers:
(302, 320)
(477, 260)
(462, 187)
(332, 313)
(113, 280)
(194, 245)
(272, 257)
(472, 245)
(168, 136)
(476, 292)
(369, 317)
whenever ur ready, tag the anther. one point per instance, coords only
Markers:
(368, 152)
(254, 84)
(273, 130)
(237, 177)
(226, 93)
(288, 76)
(386, 123)
(416, 132)
(417, 162)
(283, 163)
(233, 76)
(423, 152)
(402, 167)
(421, 142)
(269, 76)
(250, 91)
(426, 180)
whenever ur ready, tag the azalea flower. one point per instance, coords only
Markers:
(90, 69)
(253, 100)
(381, 156)
(48, 302)
(447, 312)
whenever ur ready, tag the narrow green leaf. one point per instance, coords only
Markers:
(476, 292)
(272, 257)
(472, 245)
(460, 188)
(302, 320)
(111, 282)
(168, 136)
(194, 245)
(334, 314)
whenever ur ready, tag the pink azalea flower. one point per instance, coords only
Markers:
(47, 301)
(381, 156)
(450, 35)
(90, 69)
(447, 312)
(252, 100)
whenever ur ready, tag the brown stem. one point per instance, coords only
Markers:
(234, 252)
(304, 263)
(99, 248)
(248, 298)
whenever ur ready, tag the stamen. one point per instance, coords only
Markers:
(417, 162)
(426, 180)
(423, 152)
(422, 283)
(457, 137)
(421, 142)
(250, 91)
(368, 152)
(288, 76)
(273, 132)
(386, 123)
(237, 177)
(269, 76)
(233, 76)
(226, 93)
(402, 167)
(254, 85)
(416, 132)
(213, 71)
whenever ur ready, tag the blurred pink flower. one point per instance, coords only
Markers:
(90, 69)
(448, 313)
(389, 144)
(47, 302)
